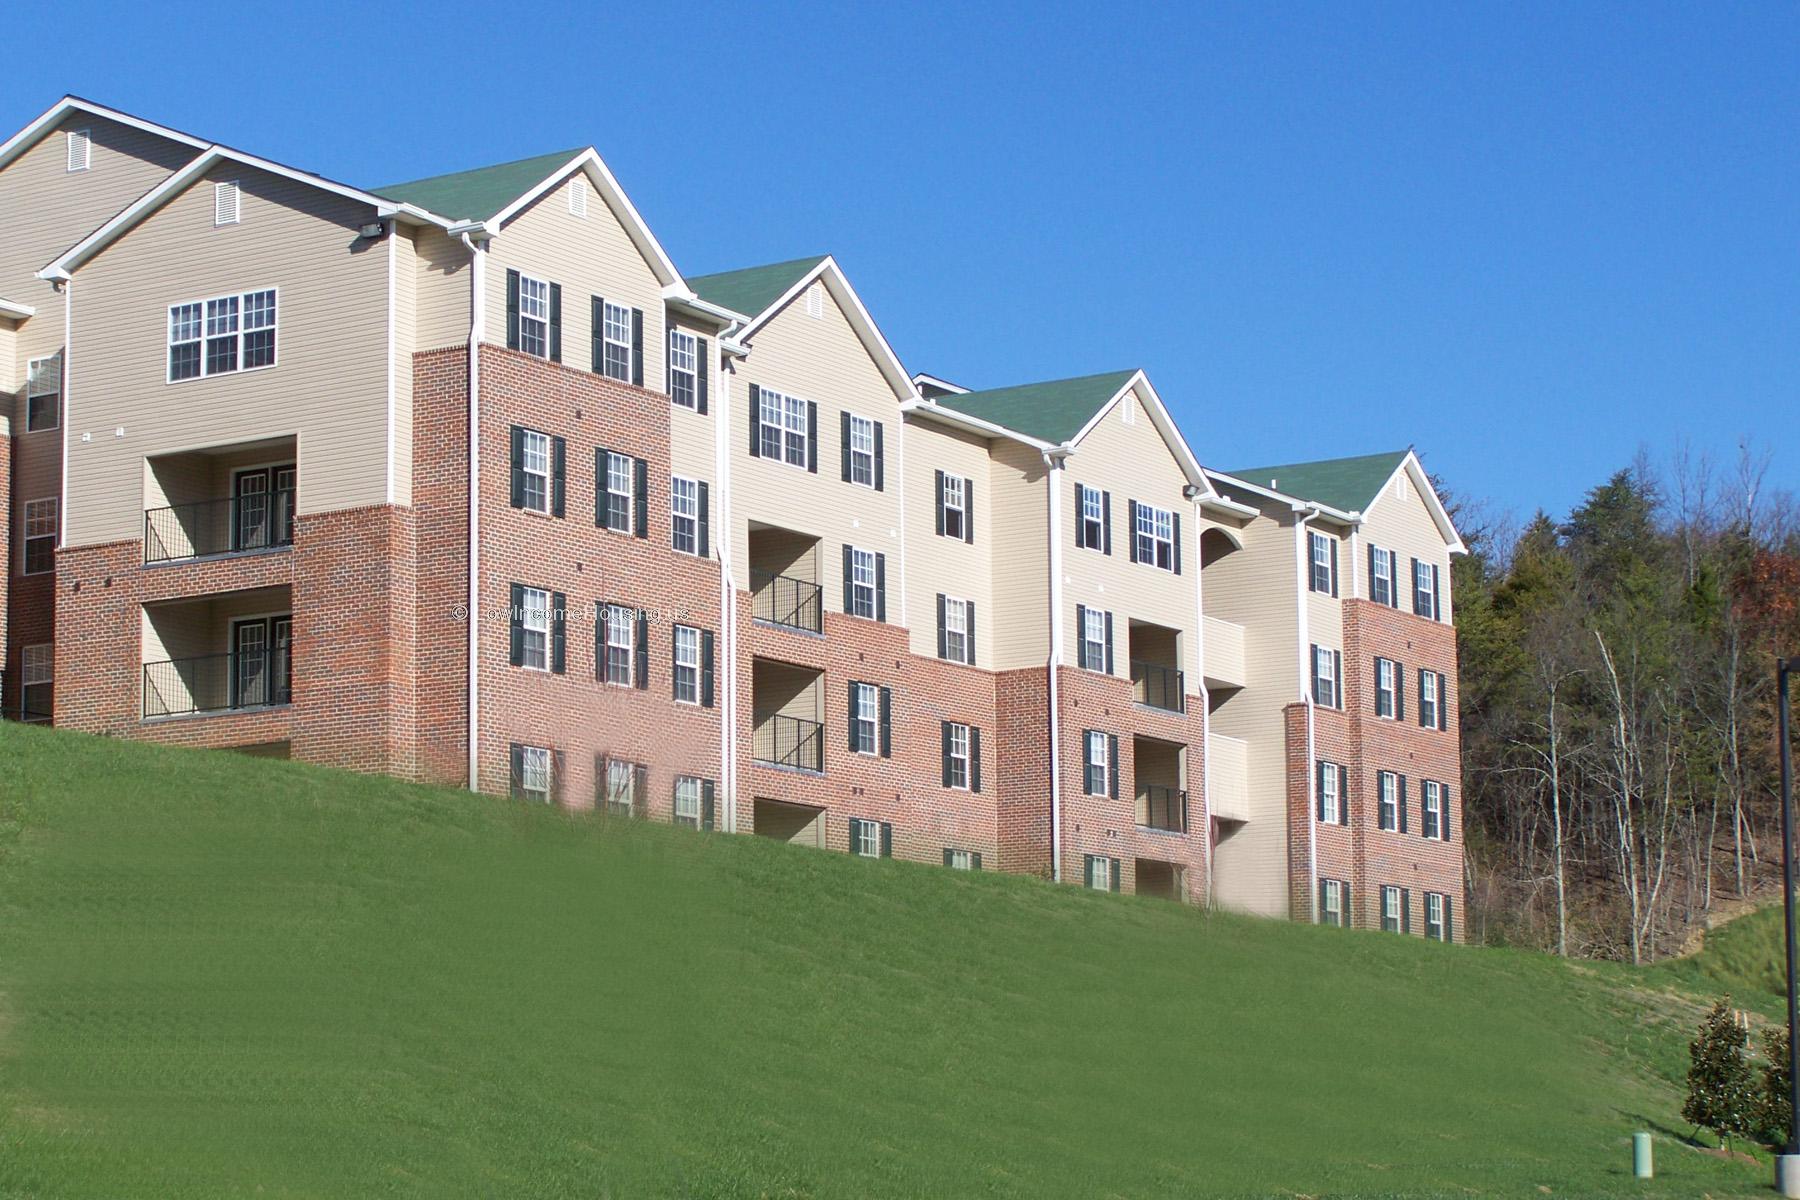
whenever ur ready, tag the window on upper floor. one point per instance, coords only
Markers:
(865, 717)
(862, 451)
(1334, 806)
(1432, 811)
(1390, 697)
(1093, 519)
(684, 514)
(1093, 647)
(1382, 588)
(619, 626)
(222, 335)
(1324, 563)
(534, 624)
(785, 428)
(959, 756)
(1390, 797)
(1328, 674)
(684, 368)
(615, 322)
(956, 629)
(1099, 752)
(43, 393)
(1425, 590)
(79, 149)
(534, 470)
(1157, 537)
(619, 497)
(860, 595)
(1433, 708)
(41, 519)
(534, 316)
(954, 507)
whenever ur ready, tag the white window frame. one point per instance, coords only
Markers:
(687, 665)
(957, 647)
(782, 427)
(1097, 755)
(535, 766)
(534, 315)
(615, 463)
(534, 464)
(868, 839)
(1331, 793)
(1387, 693)
(862, 584)
(1092, 515)
(1100, 873)
(621, 646)
(1155, 536)
(1321, 562)
(959, 756)
(1432, 682)
(37, 669)
(1331, 901)
(684, 368)
(1431, 810)
(962, 860)
(868, 717)
(690, 805)
(621, 796)
(615, 335)
(1424, 585)
(35, 376)
(1325, 671)
(1380, 575)
(1093, 639)
(246, 307)
(956, 512)
(684, 515)
(41, 521)
(1434, 921)
(534, 621)
(1387, 801)
(862, 451)
(1390, 909)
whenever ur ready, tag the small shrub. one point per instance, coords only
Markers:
(1775, 1113)
(1721, 1089)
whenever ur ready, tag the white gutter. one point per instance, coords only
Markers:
(1053, 480)
(930, 408)
(1308, 513)
(16, 312)
(477, 319)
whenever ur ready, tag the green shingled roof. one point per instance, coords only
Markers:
(751, 290)
(479, 194)
(1054, 411)
(1346, 484)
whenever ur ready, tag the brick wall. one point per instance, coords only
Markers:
(1022, 716)
(441, 524)
(7, 519)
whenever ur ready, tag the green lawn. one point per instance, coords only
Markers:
(228, 977)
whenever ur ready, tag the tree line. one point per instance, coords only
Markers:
(1618, 707)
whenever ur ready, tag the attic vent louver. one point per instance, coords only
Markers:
(79, 144)
(578, 197)
(815, 301)
(225, 204)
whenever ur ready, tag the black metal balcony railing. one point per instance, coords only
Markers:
(783, 600)
(218, 683)
(257, 521)
(1162, 807)
(1158, 686)
(789, 742)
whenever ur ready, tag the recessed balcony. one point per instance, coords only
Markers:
(226, 653)
(1162, 802)
(786, 708)
(211, 503)
(784, 578)
(1156, 676)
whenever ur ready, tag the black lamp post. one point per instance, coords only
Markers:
(1787, 1166)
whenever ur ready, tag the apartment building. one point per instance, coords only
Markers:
(463, 480)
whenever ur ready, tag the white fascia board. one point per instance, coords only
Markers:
(15, 312)
(1440, 516)
(1165, 425)
(949, 416)
(29, 136)
(1296, 503)
(922, 380)
(636, 228)
(828, 271)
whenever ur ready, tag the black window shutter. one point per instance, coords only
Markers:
(880, 480)
(947, 853)
(1449, 927)
(516, 769)
(1424, 717)
(1321, 884)
(1337, 679)
(1405, 910)
(674, 662)
(1319, 789)
(518, 625)
(1334, 566)
(1400, 691)
(944, 734)
(518, 467)
(943, 631)
(1112, 765)
(1437, 614)
(559, 475)
(855, 828)
(887, 840)
(1080, 521)
(706, 668)
(669, 359)
(1113, 874)
(939, 485)
(559, 639)
(881, 587)
(1081, 641)
(600, 640)
(849, 579)
(705, 520)
(600, 509)
(755, 421)
(850, 725)
(556, 322)
(1443, 704)
(641, 498)
(556, 776)
(1109, 643)
(512, 310)
(969, 629)
(643, 650)
(701, 371)
(598, 334)
(887, 722)
(1087, 870)
(974, 759)
(975, 860)
(637, 346)
(812, 436)
(1175, 529)
(706, 803)
(844, 446)
(1343, 778)
(1401, 786)
(1106, 522)
(969, 511)
(1344, 903)
(1131, 528)
(1372, 595)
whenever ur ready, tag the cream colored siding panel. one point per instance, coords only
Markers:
(441, 291)
(1404, 525)
(404, 282)
(328, 387)
(691, 435)
(37, 475)
(1018, 527)
(587, 256)
(946, 565)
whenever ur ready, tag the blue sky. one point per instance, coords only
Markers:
(1528, 240)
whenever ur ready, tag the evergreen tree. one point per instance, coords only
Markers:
(1721, 1090)
(1777, 1110)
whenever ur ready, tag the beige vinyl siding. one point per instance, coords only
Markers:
(691, 444)
(1404, 525)
(947, 565)
(588, 256)
(12, 375)
(1325, 613)
(37, 475)
(403, 282)
(441, 291)
(1255, 587)
(328, 387)
(1017, 525)
(1133, 463)
(820, 359)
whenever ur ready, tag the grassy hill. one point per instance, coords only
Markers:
(222, 976)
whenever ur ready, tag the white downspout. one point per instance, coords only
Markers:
(1053, 480)
(1206, 776)
(1301, 562)
(722, 542)
(68, 392)
(477, 310)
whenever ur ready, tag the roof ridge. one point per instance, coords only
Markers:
(563, 155)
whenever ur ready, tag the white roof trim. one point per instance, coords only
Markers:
(178, 182)
(1296, 503)
(827, 270)
(1165, 425)
(922, 380)
(29, 136)
(602, 178)
(931, 409)
(1415, 470)
(15, 312)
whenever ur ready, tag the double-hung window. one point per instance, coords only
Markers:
(866, 839)
(1381, 577)
(534, 620)
(222, 335)
(684, 368)
(621, 639)
(862, 583)
(1387, 688)
(862, 450)
(865, 717)
(953, 493)
(1091, 528)
(1332, 807)
(533, 778)
(783, 427)
(690, 802)
(687, 664)
(684, 509)
(534, 316)
(1097, 759)
(621, 787)
(957, 647)
(1328, 677)
(1437, 916)
(1093, 639)
(1100, 872)
(956, 755)
(962, 860)
(1324, 563)
(40, 535)
(1425, 578)
(1393, 909)
(37, 682)
(621, 487)
(1156, 537)
(43, 393)
(1431, 811)
(615, 320)
(1332, 910)
(1433, 712)
(534, 463)
(1391, 802)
